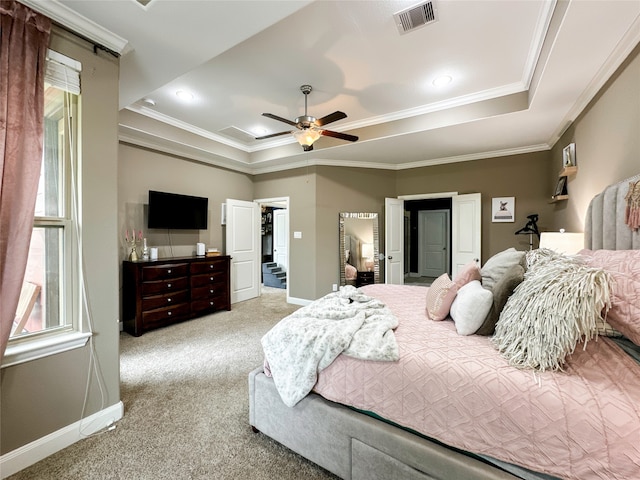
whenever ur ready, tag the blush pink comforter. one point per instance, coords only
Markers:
(580, 424)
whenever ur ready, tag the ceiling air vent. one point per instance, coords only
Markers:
(415, 17)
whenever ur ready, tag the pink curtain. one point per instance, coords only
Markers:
(24, 37)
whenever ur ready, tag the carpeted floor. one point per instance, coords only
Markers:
(185, 394)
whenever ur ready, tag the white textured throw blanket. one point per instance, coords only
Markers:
(308, 340)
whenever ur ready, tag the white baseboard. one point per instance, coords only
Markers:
(298, 301)
(37, 450)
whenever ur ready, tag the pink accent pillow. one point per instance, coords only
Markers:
(468, 273)
(624, 268)
(440, 296)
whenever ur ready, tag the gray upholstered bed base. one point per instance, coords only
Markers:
(355, 446)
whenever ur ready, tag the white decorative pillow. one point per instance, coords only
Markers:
(470, 307)
(440, 295)
(497, 265)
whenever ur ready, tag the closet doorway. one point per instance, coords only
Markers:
(274, 235)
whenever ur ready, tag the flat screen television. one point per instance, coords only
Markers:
(175, 211)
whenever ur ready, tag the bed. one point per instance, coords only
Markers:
(582, 422)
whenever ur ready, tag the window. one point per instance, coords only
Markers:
(49, 303)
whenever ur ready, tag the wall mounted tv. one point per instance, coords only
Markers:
(175, 211)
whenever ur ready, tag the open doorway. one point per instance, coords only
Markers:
(274, 244)
(427, 240)
(464, 237)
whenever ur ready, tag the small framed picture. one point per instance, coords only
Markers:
(569, 155)
(561, 187)
(503, 209)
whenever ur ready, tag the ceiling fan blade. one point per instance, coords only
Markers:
(332, 117)
(280, 119)
(271, 135)
(341, 136)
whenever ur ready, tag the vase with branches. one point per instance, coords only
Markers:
(132, 239)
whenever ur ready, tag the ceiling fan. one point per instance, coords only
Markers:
(308, 128)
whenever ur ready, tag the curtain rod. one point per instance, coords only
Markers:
(96, 46)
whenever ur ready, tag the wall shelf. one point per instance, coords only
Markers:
(559, 198)
(568, 171)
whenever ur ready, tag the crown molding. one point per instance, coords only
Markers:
(623, 49)
(187, 127)
(68, 18)
(151, 141)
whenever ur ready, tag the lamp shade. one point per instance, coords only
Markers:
(562, 242)
(367, 250)
(306, 137)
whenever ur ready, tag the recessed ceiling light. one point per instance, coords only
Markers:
(442, 80)
(184, 95)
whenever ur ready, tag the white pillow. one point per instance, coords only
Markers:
(470, 307)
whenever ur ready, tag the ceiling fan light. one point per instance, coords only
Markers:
(306, 137)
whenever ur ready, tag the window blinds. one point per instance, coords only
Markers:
(63, 72)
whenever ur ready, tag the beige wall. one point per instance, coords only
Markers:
(607, 138)
(300, 186)
(342, 189)
(141, 170)
(45, 395)
(525, 177)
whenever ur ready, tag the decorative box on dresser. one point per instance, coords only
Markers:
(169, 290)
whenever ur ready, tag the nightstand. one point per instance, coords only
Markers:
(365, 278)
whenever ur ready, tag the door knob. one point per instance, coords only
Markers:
(390, 257)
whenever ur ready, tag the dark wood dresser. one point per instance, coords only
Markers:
(161, 292)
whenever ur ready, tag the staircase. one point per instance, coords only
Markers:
(273, 276)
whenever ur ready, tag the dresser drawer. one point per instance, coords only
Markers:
(204, 267)
(208, 291)
(165, 315)
(208, 279)
(161, 272)
(164, 286)
(167, 300)
(214, 303)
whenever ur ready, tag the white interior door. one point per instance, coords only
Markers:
(433, 241)
(243, 245)
(280, 239)
(394, 241)
(466, 230)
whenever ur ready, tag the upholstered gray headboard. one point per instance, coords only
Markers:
(604, 224)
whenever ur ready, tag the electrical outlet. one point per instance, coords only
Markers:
(335, 287)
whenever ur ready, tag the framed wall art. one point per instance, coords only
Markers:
(503, 209)
(569, 155)
(561, 187)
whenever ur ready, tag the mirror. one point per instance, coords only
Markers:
(359, 252)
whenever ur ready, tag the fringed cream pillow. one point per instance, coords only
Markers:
(557, 305)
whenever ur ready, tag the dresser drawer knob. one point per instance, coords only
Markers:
(211, 279)
(169, 300)
(168, 285)
(210, 266)
(169, 271)
(211, 291)
(169, 313)
(211, 303)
